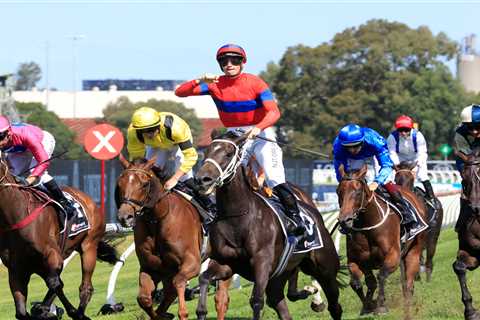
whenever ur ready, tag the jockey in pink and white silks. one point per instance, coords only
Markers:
(408, 144)
(27, 146)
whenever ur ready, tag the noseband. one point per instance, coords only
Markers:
(365, 202)
(231, 167)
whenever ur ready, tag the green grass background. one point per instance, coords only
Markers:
(439, 299)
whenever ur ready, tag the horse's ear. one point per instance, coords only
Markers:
(150, 163)
(341, 170)
(363, 171)
(396, 167)
(413, 165)
(125, 163)
(240, 140)
(462, 156)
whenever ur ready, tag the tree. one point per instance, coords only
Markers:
(369, 75)
(120, 112)
(37, 114)
(28, 74)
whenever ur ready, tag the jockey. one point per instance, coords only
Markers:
(408, 144)
(353, 147)
(27, 145)
(165, 135)
(245, 102)
(467, 138)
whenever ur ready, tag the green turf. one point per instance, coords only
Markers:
(439, 299)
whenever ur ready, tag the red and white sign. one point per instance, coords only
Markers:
(104, 142)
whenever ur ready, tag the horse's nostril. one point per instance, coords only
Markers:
(206, 179)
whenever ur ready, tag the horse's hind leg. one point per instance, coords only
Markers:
(432, 240)
(18, 281)
(465, 261)
(214, 272)
(89, 260)
(276, 298)
(293, 294)
(411, 264)
(222, 298)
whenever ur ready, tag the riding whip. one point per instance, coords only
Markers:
(294, 147)
(51, 158)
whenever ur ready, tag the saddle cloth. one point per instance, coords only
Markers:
(431, 205)
(312, 240)
(80, 222)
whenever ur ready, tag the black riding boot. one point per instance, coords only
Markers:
(428, 189)
(409, 219)
(58, 196)
(204, 200)
(291, 207)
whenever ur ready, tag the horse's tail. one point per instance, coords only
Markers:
(107, 253)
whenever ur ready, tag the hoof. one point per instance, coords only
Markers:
(381, 310)
(165, 316)
(298, 295)
(317, 307)
(472, 316)
(366, 310)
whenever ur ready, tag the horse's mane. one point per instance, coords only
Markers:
(229, 135)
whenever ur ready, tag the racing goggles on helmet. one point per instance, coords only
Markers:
(235, 60)
(352, 145)
(473, 126)
(404, 129)
(148, 130)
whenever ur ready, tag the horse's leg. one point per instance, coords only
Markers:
(465, 261)
(53, 281)
(89, 260)
(188, 269)
(169, 295)
(261, 271)
(214, 272)
(432, 240)
(18, 280)
(327, 277)
(293, 294)
(145, 290)
(411, 264)
(356, 284)
(276, 298)
(222, 298)
(390, 264)
(371, 283)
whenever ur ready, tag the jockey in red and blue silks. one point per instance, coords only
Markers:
(355, 146)
(244, 101)
(27, 145)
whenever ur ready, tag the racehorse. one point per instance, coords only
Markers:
(405, 176)
(373, 240)
(247, 238)
(468, 254)
(30, 242)
(168, 238)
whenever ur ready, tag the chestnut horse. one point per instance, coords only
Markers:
(30, 244)
(405, 176)
(247, 238)
(373, 240)
(168, 238)
(468, 254)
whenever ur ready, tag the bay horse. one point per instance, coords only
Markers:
(373, 240)
(30, 243)
(405, 176)
(468, 254)
(248, 240)
(168, 238)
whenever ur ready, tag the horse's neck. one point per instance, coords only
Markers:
(232, 196)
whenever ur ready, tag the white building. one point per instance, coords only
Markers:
(89, 104)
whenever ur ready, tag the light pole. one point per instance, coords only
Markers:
(74, 39)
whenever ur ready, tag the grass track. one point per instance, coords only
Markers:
(439, 299)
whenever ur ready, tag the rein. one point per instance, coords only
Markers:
(230, 169)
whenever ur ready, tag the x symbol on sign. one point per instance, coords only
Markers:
(104, 141)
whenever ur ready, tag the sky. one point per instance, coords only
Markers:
(155, 39)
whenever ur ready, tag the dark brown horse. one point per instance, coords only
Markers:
(247, 238)
(168, 237)
(405, 176)
(468, 254)
(373, 240)
(30, 244)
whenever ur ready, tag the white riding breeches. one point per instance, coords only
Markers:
(20, 162)
(167, 157)
(269, 155)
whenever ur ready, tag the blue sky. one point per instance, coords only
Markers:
(178, 39)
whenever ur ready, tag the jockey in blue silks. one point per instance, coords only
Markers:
(355, 146)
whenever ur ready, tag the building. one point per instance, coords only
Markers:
(90, 104)
(131, 85)
(468, 65)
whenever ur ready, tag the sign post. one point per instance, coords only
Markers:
(445, 150)
(103, 142)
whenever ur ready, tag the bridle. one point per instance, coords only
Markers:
(365, 202)
(475, 176)
(227, 174)
(138, 206)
